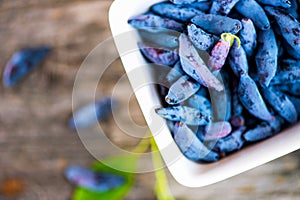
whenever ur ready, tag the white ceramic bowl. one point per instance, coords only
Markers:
(186, 172)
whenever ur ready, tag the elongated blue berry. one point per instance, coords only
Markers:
(200, 38)
(281, 104)
(232, 142)
(91, 180)
(191, 146)
(289, 64)
(22, 63)
(171, 125)
(286, 76)
(293, 10)
(237, 119)
(201, 103)
(252, 100)
(296, 102)
(266, 57)
(289, 73)
(290, 88)
(263, 130)
(251, 9)
(181, 90)
(175, 73)
(91, 113)
(204, 6)
(238, 60)
(159, 55)
(194, 66)
(172, 11)
(281, 3)
(217, 24)
(221, 100)
(219, 53)
(164, 39)
(248, 36)
(182, 1)
(187, 115)
(291, 51)
(222, 7)
(155, 23)
(237, 108)
(217, 130)
(289, 26)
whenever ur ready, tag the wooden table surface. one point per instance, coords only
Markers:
(36, 143)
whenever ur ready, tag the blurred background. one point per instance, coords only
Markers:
(36, 143)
